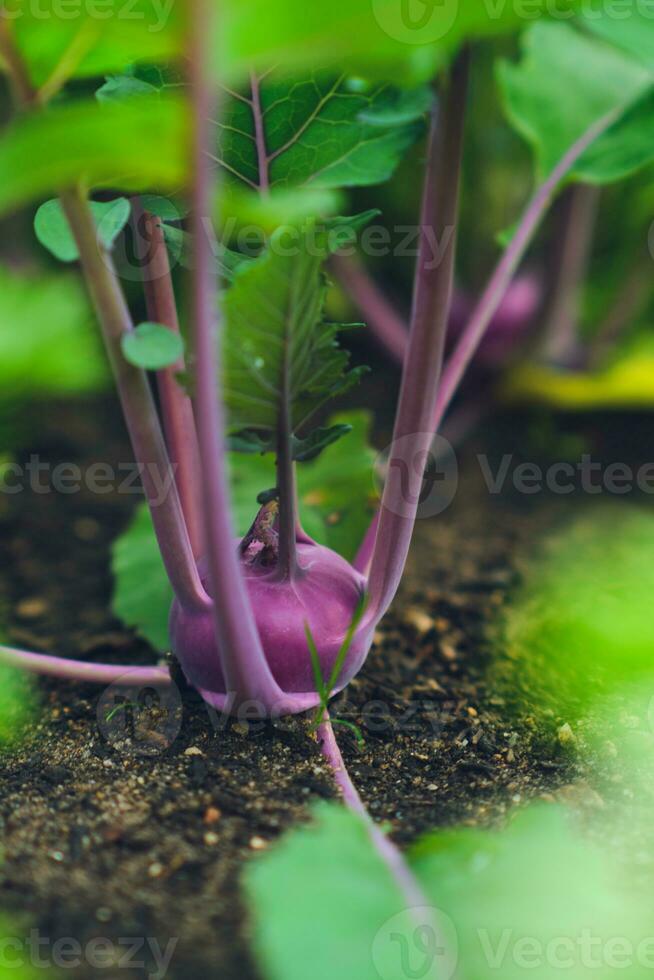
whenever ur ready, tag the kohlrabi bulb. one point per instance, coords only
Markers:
(508, 326)
(325, 594)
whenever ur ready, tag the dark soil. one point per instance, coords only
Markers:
(104, 840)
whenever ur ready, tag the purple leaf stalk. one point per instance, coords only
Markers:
(241, 609)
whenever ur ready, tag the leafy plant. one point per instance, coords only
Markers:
(133, 145)
(569, 75)
(288, 934)
(262, 613)
(505, 918)
(336, 495)
(564, 81)
(487, 914)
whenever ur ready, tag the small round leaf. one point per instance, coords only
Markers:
(152, 346)
(53, 231)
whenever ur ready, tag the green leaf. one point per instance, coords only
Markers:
(180, 245)
(88, 39)
(277, 348)
(248, 441)
(374, 38)
(241, 211)
(397, 107)
(340, 231)
(53, 231)
(152, 346)
(337, 500)
(580, 626)
(48, 338)
(566, 81)
(119, 87)
(142, 79)
(331, 234)
(143, 595)
(523, 899)
(314, 134)
(336, 491)
(310, 448)
(164, 207)
(625, 148)
(338, 899)
(632, 31)
(133, 145)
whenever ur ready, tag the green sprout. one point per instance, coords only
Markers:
(324, 687)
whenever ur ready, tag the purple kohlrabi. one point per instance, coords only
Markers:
(323, 593)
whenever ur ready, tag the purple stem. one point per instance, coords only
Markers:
(363, 556)
(106, 283)
(500, 280)
(456, 429)
(138, 407)
(503, 274)
(413, 432)
(260, 134)
(247, 674)
(288, 512)
(176, 406)
(388, 852)
(76, 670)
(383, 319)
(572, 247)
